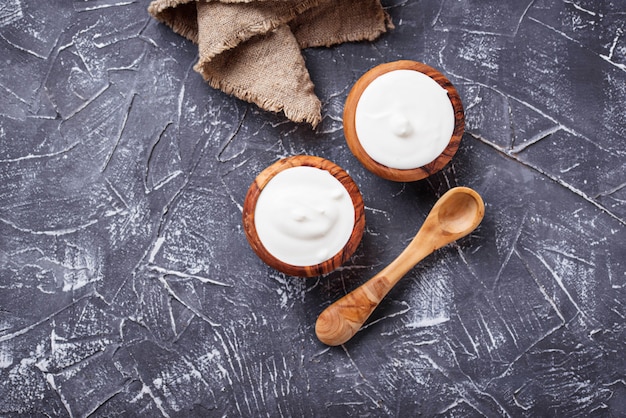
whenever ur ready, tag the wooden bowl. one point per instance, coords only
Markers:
(379, 169)
(255, 191)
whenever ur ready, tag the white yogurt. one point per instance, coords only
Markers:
(304, 216)
(404, 119)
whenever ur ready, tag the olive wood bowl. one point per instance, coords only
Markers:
(379, 169)
(259, 184)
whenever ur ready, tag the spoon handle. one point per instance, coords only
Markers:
(341, 320)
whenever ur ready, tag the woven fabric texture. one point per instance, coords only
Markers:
(252, 48)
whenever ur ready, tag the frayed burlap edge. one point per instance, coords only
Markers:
(266, 103)
(164, 12)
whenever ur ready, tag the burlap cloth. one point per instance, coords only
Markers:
(252, 48)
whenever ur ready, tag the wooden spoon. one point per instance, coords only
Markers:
(456, 214)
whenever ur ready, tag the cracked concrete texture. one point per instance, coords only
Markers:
(127, 286)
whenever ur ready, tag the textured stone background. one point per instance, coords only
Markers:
(127, 286)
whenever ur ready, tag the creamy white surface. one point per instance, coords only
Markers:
(304, 216)
(404, 119)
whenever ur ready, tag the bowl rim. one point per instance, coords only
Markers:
(257, 186)
(395, 174)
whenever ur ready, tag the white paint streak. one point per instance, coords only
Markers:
(106, 6)
(22, 331)
(52, 383)
(167, 179)
(579, 7)
(21, 48)
(559, 280)
(474, 344)
(401, 312)
(544, 293)
(155, 249)
(50, 232)
(536, 138)
(145, 390)
(429, 322)
(187, 305)
(569, 38)
(181, 274)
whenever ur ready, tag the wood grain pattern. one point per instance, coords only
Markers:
(253, 195)
(393, 173)
(455, 215)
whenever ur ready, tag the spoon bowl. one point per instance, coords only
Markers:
(457, 213)
(454, 216)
